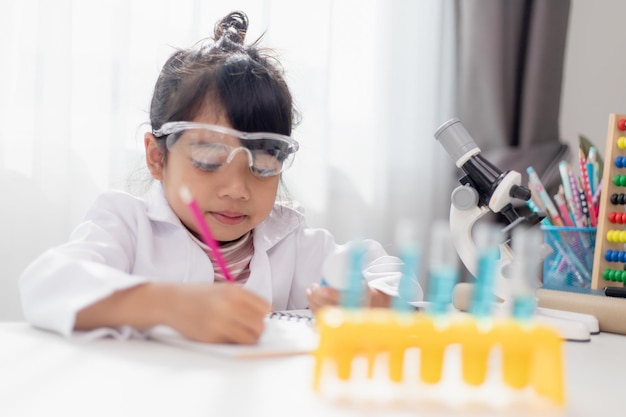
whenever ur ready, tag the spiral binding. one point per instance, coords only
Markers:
(291, 316)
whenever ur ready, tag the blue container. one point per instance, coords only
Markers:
(571, 263)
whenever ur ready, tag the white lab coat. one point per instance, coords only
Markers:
(125, 240)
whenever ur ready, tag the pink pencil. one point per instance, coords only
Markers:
(587, 188)
(559, 198)
(205, 232)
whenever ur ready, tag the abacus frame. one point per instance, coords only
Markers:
(616, 129)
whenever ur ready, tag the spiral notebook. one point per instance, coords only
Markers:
(289, 332)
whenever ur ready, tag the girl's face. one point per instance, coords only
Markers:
(234, 201)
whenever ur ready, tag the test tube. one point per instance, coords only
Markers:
(409, 253)
(488, 237)
(526, 266)
(443, 268)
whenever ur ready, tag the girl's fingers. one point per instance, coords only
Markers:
(318, 296)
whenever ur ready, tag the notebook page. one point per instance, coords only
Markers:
(280, 338)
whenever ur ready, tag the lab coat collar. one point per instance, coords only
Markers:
(282, 220)
(158, 209)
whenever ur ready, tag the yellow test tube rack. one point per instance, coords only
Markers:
(531, 353)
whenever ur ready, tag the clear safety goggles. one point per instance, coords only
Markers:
(211, 146)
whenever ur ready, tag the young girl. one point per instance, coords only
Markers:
(134, 263)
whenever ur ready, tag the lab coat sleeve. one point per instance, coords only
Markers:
(91, 266)
(383, 272)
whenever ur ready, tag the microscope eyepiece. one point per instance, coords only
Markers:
(456, 141)
(495, 188)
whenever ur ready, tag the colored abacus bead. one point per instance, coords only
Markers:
(608, 255)
(621, 142)
(619, 162)
(614, 237)
(612, 217)
(614, 256)
(621, 124)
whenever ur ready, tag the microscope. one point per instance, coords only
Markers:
(485, 188)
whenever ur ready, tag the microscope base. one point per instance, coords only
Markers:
(570, 325)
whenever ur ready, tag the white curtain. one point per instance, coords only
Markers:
(369, 77)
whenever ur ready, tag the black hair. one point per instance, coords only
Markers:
(243, 81)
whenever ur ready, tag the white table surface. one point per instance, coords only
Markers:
(43, 374)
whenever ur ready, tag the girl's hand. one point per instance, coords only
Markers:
(218, 313)
(214, 313)
(378, 299)
(320, 296)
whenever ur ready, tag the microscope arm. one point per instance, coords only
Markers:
(464, 214)
(461, 223)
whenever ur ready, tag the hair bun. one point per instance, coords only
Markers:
(234, 27)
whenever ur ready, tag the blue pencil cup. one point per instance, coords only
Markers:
(571, 263)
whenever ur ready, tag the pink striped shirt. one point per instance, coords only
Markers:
(237, 255)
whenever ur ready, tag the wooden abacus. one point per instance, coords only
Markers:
(610, 254)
